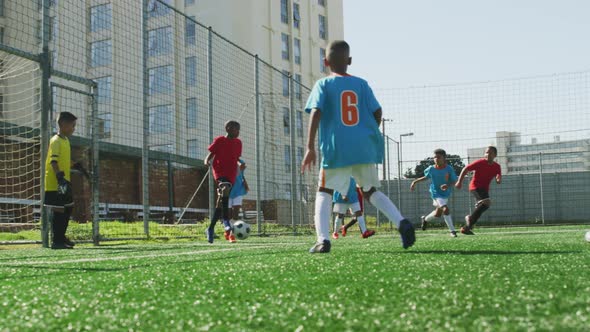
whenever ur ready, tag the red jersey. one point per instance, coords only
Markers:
(484, 173)
(227, 151)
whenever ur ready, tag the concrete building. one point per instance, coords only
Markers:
(104, 41)
(556, 156)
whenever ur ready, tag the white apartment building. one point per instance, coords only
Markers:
(103, 40)
(556, 156)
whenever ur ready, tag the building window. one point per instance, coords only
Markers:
(54, 58)
(299, 124)
(287, 159)
(192, 148)
(104, 89)
(285, 46)
(1, 8)
(286, 121)
(191, 113)
(158, 8)
(1, 34)
(297, 50)
(323, 27)
(191, 71)
(101, 17)
(160, 41)
(287, 191)
(167, 148)
(160, 119)
(285, 83)
(299, 155)
(101, 53)
(160, 80)
(1, 105)
(189, 3)
(190, 31)
(296, 16)
(297, 86)
(284, 12)
(322, 57)
(105, 123)
(322, 3)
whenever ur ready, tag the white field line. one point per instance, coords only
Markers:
(120, 258)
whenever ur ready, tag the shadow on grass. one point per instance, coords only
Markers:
(491, 252)
(57, 270)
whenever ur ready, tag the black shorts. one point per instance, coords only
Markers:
(53, 199)
(480, 194)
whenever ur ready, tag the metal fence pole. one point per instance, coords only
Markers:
(210, 115)
(258, 145)
(95, 160)
(293, 153)
(45, 65)
(145, 185)
(541, 187)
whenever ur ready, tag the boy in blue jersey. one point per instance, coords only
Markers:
(347, 114)
(238, 191)
(442, 178)
(343, 203)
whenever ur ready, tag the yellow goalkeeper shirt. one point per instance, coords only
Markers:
(59, 150)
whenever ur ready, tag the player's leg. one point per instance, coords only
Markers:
(430, 217)
(367, 178)
(443, 208)
(483, 203)
(67, 214)
(338, 218)
(365, 232)
(225, 189)
(329, 180)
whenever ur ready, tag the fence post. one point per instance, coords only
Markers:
(541, 187)
(257, 133)
(293, 153)
(210, 116)
(145, 185)
(95, 160)
(45, 65)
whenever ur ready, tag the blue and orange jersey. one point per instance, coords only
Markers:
(352, 194)
(348, 132)
(438, 177)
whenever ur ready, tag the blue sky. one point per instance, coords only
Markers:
(444, 46)
(422, 42)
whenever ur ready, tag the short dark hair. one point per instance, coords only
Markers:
(493, 148)
(441, 152)
(232, 123)
(338, 47)
(65, 117)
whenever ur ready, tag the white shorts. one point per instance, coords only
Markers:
(439, 202)
(236, 201)
(342, 207)
(338, 179)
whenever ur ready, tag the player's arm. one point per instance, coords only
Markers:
(499, 177)
(418, 180)
(459, 182)
(310, 155)
(208, 158)
(378, 114)
(246, 185)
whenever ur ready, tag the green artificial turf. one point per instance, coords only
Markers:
(499, 280)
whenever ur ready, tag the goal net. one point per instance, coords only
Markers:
(20, 137)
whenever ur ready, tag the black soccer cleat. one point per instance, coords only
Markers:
(407, 233)
(321, 247)
(424, 223)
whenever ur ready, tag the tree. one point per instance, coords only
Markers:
(452, 159)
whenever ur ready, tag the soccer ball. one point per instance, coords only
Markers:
(588, 236)
(241, 230)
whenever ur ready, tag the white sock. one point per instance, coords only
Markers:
(323, 204)
(449, 222)
(385, 205)
(362, 224)
(431, 216)
(337, 223)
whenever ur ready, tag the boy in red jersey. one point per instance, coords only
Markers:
(485, 170)
(225, 152)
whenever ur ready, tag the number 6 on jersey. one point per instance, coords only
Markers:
(348, 108)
